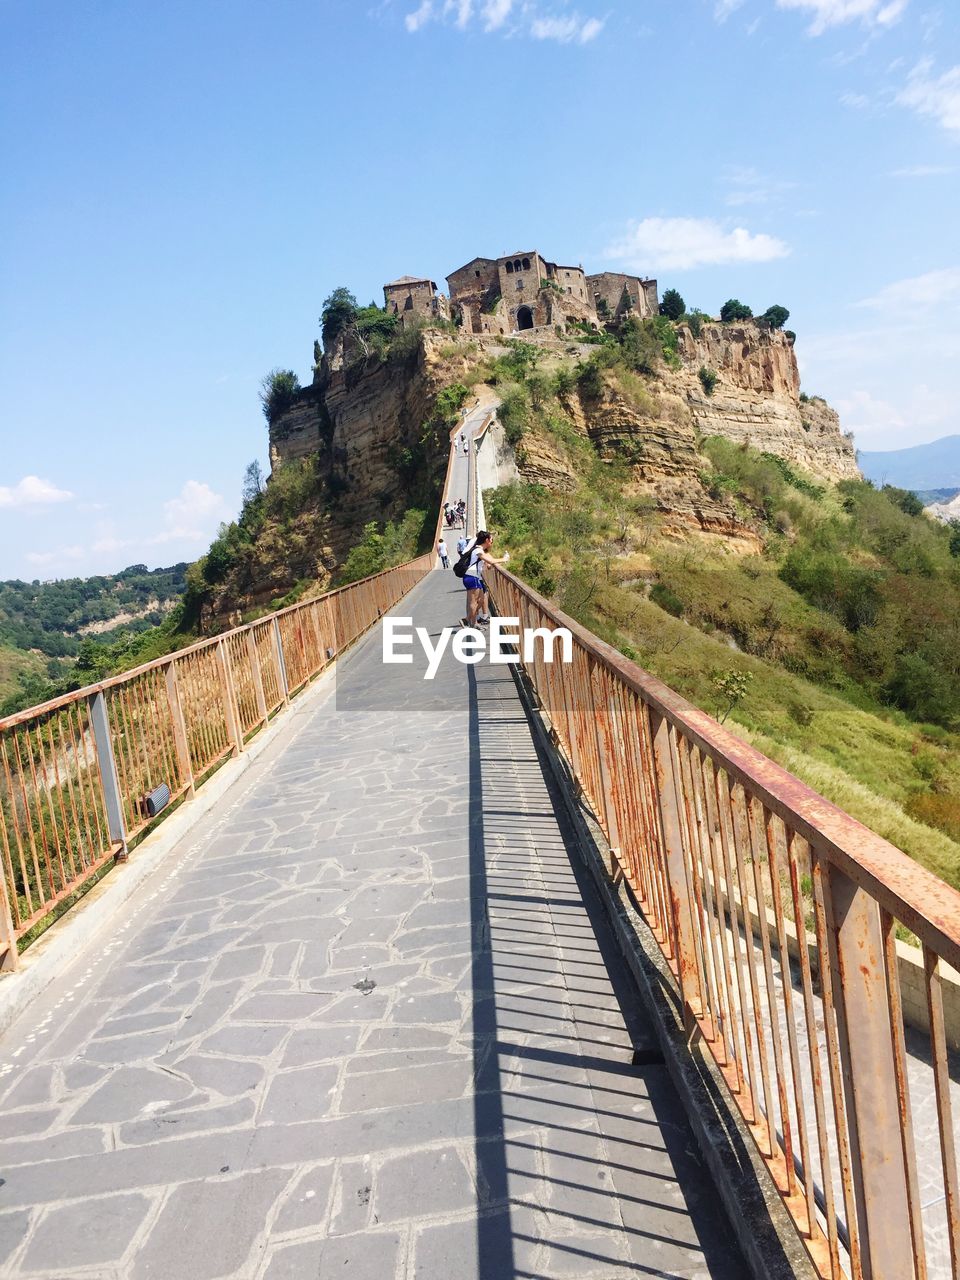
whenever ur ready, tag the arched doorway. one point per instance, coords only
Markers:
(524, 318)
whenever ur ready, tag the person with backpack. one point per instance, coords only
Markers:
(470, 568)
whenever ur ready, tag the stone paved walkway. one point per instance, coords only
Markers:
(369, 1023)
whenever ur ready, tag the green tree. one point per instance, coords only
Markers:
(955, 538)
(672, 305)
(904, 499)
(252, 481)
(339, 312)
(775, 317)
(734, 309)
(278, 390)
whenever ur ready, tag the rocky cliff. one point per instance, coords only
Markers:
(756, 398)
(368, 432)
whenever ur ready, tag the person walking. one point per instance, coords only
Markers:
(462, 543)
(473, 578)
(442, 553)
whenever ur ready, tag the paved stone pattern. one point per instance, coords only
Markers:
(369, 1023)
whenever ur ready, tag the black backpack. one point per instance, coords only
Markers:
(463, 564)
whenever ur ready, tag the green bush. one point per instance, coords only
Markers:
(904, 499)
(339, 311)
(672, 305)
(278, 391)
(734, 309)
(667, 599)
(775, 317)
(708, 379)
(514, 412)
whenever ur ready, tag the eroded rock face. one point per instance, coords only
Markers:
(357, 422)
(659, 443)
(756, 399)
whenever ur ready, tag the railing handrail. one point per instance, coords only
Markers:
(917, 897)
(110, 682)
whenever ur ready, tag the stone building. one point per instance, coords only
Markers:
(414, 296)
(522, 291)
(615, 294)
(517, 292)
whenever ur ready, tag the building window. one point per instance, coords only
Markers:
(520, 285)
(526, 264)
(477, 274)
(516, 264)
(510, 268)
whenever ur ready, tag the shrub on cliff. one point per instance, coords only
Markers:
(339, 311)
(672, 305)
(775, 317)
(708, 379)
(734, 309)
(278, 390)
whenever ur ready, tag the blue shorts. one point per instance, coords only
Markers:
(472, 583)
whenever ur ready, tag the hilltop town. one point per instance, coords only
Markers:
(520, 292)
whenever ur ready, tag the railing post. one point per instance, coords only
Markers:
(234, 731)
(9, 956)
(869, 1078)
(600, 712)
(181, 741)
(253, 656)
(107, 766)
(281, 661)
(669, 801)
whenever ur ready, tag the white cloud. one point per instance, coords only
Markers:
(933, 288)
(194, 513)
(526, 17)
(31, 491)
(934, 96)
(495, 13)
(563, 30)
(414, 21)
(680, 243)
(723, 9)
(856, 101)
(922, 171)
(833, 13)
(864, 414)
(462, 11)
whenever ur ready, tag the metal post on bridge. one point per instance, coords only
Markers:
(107, 766)
(281, 661)
(869, 1076)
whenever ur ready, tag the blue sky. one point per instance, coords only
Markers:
(184, 183)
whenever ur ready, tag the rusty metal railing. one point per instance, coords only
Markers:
(74, 772)
(777, 914)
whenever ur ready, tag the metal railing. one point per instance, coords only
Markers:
(75, 771)
(777, 914)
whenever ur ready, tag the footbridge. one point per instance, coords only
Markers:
(529, 970)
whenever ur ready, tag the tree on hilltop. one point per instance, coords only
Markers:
(775, 317)
(672, 305)
(339, 312)
(734, 309)
(278, 390)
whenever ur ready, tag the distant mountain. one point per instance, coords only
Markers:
(923, 466)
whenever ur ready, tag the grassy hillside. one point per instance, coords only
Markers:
(835, 647)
